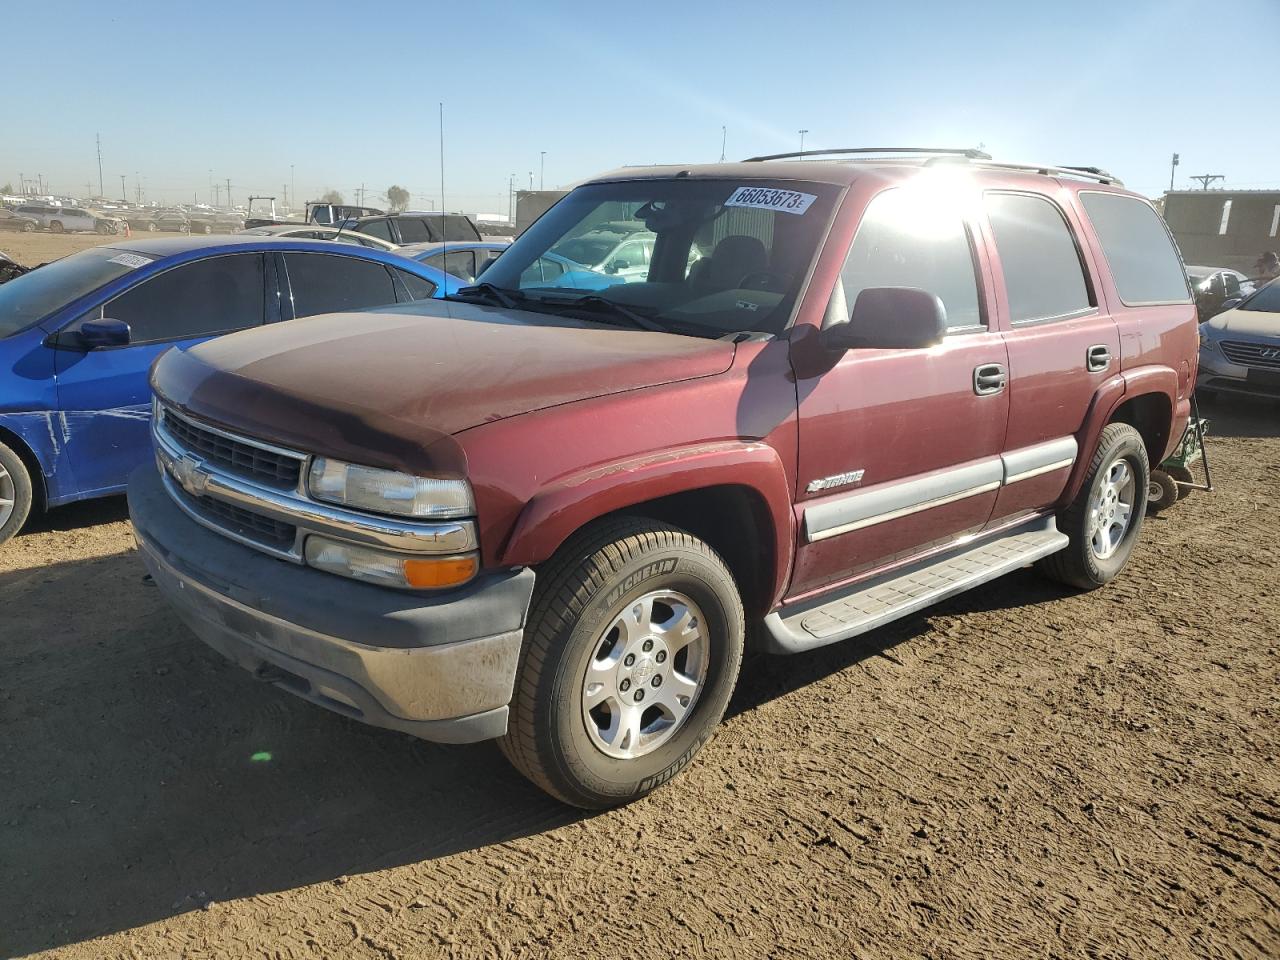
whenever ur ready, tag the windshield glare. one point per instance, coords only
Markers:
(1266, 300)
(33, 296)
(718, 256)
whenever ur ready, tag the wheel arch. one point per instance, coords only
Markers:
(15, 442)
(734, 496)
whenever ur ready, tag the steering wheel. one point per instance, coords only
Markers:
(765, 280)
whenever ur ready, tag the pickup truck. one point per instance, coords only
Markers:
(840, 392)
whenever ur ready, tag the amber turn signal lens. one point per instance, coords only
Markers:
(440, 572)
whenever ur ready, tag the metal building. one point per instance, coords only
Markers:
(1224, 228)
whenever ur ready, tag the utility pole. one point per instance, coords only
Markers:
(1207, 178)
(294, 184)
(211, 186)
(724, 138)
(531, 181)
(1172, 167)
(228, 193)
(802, 133)
(98, 138)
(137, 188)
(542, 172)
(124, 196)
(285, 189)
(217, 195)
(511, 198)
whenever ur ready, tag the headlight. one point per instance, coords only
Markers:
(387, 569)
(388, 491)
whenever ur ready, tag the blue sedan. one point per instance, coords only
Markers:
(78, 336)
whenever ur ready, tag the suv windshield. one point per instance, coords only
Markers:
(32, 296)
(706, 256)
(1266, 300)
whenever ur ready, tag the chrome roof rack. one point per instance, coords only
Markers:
(966, 153)
(1047, 170)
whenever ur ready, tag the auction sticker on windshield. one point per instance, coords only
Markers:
(131, 260)
(767, 198)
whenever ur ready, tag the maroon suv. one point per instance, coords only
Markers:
(547, 510)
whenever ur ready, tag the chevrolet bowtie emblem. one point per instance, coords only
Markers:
(190, 474)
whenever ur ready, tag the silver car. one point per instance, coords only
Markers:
(1240, 347)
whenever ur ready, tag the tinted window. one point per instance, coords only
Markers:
(377, 228)
(1042, 271)
(331, 284)
(458, 227)
(1233, 284)
(461, 263)
(906, 242)
(1266, 300)
(413, 230)
(26, 299)
(194, 300)
(1142, 258)
(419, 288)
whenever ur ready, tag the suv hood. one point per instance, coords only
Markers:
(1247, 323)
(380, 387)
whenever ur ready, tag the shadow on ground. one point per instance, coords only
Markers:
(142, 776)
(82, 515)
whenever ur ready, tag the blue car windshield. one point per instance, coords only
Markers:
(27, 299)
(707, 256)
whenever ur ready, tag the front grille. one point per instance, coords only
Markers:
(244, 523)
(245, 459)
(1264, 355)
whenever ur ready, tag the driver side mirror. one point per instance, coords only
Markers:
(103, 333)
(891, 318)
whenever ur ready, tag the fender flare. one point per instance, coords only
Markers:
(561, 508)
(1108, 397)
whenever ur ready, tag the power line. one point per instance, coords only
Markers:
(1207, 178)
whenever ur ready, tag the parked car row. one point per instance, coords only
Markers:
(66, 219)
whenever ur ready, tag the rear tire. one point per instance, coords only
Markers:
(627, 611)
(1104, 520)
(15, 493)
(28, 227)
(56, 227)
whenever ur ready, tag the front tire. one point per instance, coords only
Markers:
(15, 493)
(1104, 520)
(56, 227)
(631, 653)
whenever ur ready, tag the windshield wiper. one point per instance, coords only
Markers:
(594, 302)
(490, 293)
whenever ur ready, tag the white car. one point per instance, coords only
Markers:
(315, 231)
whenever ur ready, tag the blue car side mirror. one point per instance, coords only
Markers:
(103, 333)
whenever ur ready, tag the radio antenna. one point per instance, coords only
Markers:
(444, 220)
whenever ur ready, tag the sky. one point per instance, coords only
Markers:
(328, 95)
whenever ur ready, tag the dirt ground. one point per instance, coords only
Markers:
(1022, 772)
(34, 248)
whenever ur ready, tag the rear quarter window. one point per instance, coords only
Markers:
(1043, 276)
(1143, 260)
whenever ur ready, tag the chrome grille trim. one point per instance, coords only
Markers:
(278, 466)
(1251, 354)
(292, 507)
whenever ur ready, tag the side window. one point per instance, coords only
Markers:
(418, 288)
(1233, 284)
(461, 263)
(322, 283)
(377, 228)
(630, 257)
(413, 230)
(1042, 270)
(194, 300)
(903, 242)
(1142, 258)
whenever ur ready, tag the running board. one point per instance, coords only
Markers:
(873, 603)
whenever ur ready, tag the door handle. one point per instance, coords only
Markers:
(989, 378)
(1097, 358)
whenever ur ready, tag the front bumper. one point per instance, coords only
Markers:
(439, 666)
(1218, 373)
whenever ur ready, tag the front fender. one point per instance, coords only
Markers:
(555, 512)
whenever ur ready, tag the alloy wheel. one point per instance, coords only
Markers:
(645, 675)
(1111, 509)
